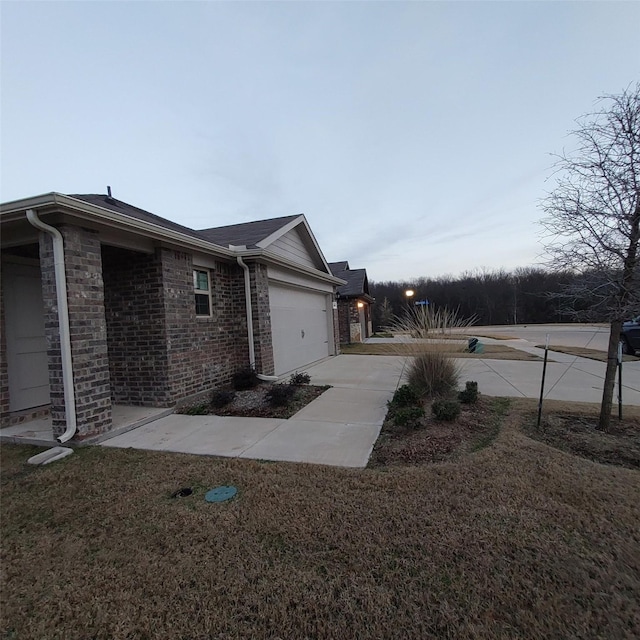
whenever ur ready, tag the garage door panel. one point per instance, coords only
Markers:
(27, 360)
(299, 327)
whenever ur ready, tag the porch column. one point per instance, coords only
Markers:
(87, 326)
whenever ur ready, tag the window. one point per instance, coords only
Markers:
(202, 288)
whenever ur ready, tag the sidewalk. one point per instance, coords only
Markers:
(338, 428)
(568, 377)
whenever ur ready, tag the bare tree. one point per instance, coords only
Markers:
(593, 217)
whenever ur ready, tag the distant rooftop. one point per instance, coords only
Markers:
(357, 281)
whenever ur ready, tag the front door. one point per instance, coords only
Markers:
(25, 338)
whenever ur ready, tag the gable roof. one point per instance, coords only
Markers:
(249, 234)
(357, 282)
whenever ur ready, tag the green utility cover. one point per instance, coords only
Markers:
(220, 494)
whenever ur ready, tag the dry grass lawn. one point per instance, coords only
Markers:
(492, 351)
(516, 540)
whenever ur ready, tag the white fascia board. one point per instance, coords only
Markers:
(300, 220)
(16, 208)
(265, 242)
(276, 259)
(112, 218)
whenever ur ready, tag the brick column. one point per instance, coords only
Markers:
(87, 325)
(4, 371)
(261, 319)
(336, 325)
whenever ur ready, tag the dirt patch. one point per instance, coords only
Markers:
(253, 403)
(437, 441)
(575, 431)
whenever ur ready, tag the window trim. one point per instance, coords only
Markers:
(202, 292)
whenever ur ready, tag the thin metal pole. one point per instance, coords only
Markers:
(619, 380)
(544, 373)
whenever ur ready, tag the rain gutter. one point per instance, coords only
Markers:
(63, 321)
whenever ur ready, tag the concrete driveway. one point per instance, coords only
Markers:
(338, 428)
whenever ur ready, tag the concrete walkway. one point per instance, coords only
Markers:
(338, 428)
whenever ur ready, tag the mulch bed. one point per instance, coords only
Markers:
(578, 434)
(438, 441)
(254, 404)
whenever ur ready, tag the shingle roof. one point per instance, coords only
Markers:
(246, 233)
(338, 266)
(118, 206)
(357, 283)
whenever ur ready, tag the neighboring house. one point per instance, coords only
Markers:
(157, 312)
(354, 303)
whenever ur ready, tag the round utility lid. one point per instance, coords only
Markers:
(220, 494)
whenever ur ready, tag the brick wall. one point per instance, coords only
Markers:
(136, 328)
(87, 327)
(4, 372)
(336, 327)
(343, 321)
(160, 351)
(261, 312)
(350, 327)
(203, 353)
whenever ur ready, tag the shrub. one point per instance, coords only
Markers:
(447, 410)
(405, 396)
(470, 393)
(299, 378)
(433, 373)
(280, 395)
(198, 410)
(408, 417)
(245, 379)
(424, 320)
(221, 399)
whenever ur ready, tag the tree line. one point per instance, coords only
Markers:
(523, 296)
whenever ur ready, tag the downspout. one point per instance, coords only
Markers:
(247, 300)
(63, 321)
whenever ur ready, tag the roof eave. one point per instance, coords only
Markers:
(276, 259)
(111, 218)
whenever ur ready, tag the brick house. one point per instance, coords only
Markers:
(354, 303)
(105, 304)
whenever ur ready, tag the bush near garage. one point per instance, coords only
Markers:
(280, 395)
(245, 378)
(299, 378)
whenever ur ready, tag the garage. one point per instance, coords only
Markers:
(300, 326)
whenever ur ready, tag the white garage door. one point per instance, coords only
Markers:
(299, 327)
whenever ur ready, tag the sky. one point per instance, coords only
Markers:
(415, 137)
